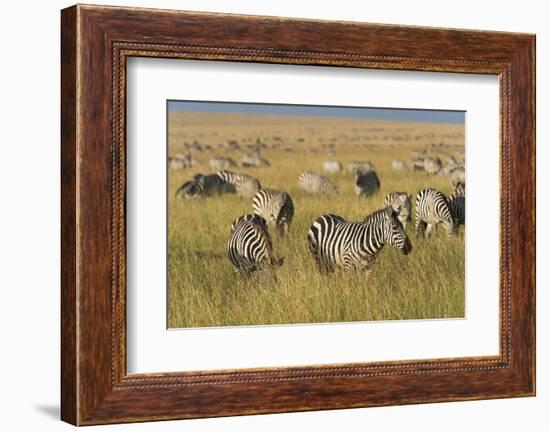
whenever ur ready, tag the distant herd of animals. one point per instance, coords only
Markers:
(333, 241)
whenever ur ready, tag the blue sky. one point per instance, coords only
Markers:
(421, 115)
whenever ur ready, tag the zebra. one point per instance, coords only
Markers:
(432, 166)
(245, 185)
(182, 161)
(431, 209)
(457, 205)
(204, 186)
(249, 247)
(418, 164)
(219, 163)
(460, 189)
(457, 175)
(398, 165)
(337, 243)
(356, 165)
(315, 183)
(332, 167)
(366, 183)
(276, 207)
(253, 161)
(401, 204)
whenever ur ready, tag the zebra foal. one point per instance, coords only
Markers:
(337, 243)
(276, 207)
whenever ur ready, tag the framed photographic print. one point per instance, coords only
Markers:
(265, 215)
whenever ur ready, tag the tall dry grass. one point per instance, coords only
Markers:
(204, 290)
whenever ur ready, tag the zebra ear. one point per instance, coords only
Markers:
(388, 211)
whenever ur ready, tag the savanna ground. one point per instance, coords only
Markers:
(203, 289)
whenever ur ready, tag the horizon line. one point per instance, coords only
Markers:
(454, 117)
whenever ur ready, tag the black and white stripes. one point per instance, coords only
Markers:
(337, 243)
(249, 247)
(276, 207)
(431, 209)
(457, 204)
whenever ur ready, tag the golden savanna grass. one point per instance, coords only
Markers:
(203, 288)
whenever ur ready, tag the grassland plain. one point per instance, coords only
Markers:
(203, 290)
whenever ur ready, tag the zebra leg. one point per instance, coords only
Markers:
(418, 223)
(428, 230)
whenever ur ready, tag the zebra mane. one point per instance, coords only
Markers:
(250, 218)
(381, 214)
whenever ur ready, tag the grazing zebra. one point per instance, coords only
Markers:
(366, 183)
(398, 165)
(245, 185)
(432, 208)
(457, 175)
(315, 183)
(250, 248)
(332, 167)
(337, 243)
(460, 189)
(418, 164)
(457, 205)
(356, 165)
(254, 161)
(401, 204)
(201, 186)
(432, 166)
(276, 207)
(182, 161)
(219, 163)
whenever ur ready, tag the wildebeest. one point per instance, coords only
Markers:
(366, 183)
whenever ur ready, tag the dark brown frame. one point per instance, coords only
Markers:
(95, 43)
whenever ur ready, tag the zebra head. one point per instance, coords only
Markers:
(394, 233)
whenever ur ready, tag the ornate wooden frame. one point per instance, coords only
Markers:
(95, 43)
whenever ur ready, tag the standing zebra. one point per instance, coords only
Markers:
(250, 248)
(245, 185)
(315, 183)
(332, 167)
(401, 204)
(335, 242)
(457, 205)
(201, 186)
(432, 208)
(276, 207)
